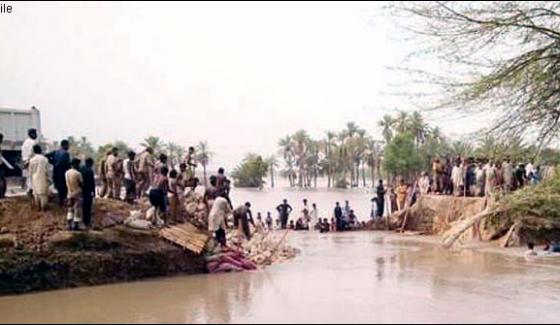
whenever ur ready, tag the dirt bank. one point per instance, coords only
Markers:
(436, 215)
(37, 253)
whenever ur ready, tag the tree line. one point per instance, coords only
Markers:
(351, 157)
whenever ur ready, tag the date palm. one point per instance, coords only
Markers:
(203, 156)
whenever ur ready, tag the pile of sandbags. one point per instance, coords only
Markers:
(265, 248)
(224, 259)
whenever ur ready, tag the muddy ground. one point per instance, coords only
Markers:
(37, 253)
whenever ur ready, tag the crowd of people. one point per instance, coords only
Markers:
(167, 187)
(343, 219)
(75, 181)
(459, 177)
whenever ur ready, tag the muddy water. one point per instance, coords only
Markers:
(350, 277)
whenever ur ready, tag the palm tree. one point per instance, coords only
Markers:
(418, 127)
(300, 140)
(153, 142)
(203, 155)
(272, 162)
(461, 148)
(373, 158)
(286, 150)
(402, 122)
(387, 124)
(175, 152)
(329, 146)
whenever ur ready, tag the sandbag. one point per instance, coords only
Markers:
(226, 267)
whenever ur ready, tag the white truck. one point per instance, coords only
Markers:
(14, 124)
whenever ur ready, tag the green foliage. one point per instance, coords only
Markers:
(251, 172)
(402, 157)
(81, 148)
(153, 142)
(542, 201)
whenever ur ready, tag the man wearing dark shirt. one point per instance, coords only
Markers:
(338, 217)
(211, 192)
(60, 160)
(242, 216)
(520, 176)
(88, 190)
(284, 210)
(380, 199)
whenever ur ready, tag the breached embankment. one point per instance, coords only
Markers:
(37, 253)
(445, 216)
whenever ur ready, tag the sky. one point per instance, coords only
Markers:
(238, 75)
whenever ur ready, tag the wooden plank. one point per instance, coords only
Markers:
(186, 236)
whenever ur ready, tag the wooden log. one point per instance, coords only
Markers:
(507, 237)
(465, 225)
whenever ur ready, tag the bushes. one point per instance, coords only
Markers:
(250, 172)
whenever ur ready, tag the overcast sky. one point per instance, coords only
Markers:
(239, 75)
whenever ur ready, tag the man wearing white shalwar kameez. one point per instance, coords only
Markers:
(38, 168)
(458, 179)
(314, 216)
(27, 154)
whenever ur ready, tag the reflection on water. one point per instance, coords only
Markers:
(349, 277)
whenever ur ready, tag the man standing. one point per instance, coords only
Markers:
(190, 162)
(346, 212)
(39, 175)
(74, 183)
(145, 169)
(88, 176)
(60, 160)
(103, 175)
(480, 179)
(338, 216)
(114, 174)
(314, 216)
(269, 221)
(130, 177)
(211, 192)
(284, 211)
(471, 178)
(217, 219)
(490, 171)
(3, 185)
(520, 176)
(26, 155)
(373, 212)
(507, 169)
(458, 178)
(438, 171)
(221, 181)
(424, 183)
(305, 213)
(380, 199)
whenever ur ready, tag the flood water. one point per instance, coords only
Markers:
(354, 277)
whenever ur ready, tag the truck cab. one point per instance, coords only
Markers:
(14, 124)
